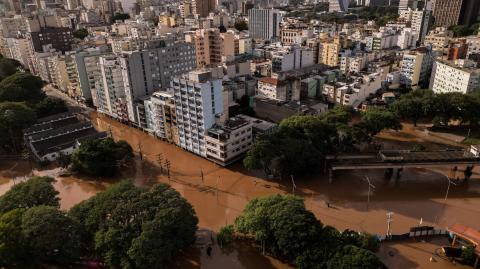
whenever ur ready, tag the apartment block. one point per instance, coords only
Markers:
(264, 23)
(208, 46)
(111, 97)
(448, 76)
(229, 141)
(164, 118)
(416, 67)
(198, 100)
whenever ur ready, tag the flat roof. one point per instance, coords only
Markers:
(466, 233)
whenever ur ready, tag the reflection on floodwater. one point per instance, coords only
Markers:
(222, 193)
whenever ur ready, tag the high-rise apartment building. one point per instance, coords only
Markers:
(203, 7)
(88, 70)
(264, 23)
(447, 12)
(208, 46)
(447, 77)
(110, 90)
(470, 12)
(338, 5)
(164, 118)
(419, 20)
(198, 100)
(416, 67)
(151, 68)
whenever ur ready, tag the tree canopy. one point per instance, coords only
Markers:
(21, 87)
(119, 17)
(51, 236)
(441, 107)
(50, 106)
(33, 192)
(100, 157)
(8, 67)
(14, 117)
(80, 33)
(301, 142)
(132, 227)
(282, 225)
(241, 25)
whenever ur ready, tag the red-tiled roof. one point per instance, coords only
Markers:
(269, 80)
(466, 233)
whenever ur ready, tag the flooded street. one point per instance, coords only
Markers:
(221, 194)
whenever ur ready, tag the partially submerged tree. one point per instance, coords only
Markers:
(100, 157)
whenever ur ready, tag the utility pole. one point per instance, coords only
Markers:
(140, 150)
(389, 224)
(293, 185)
(201, 174)
(159, 161)
(370, 186)
(448, 187)
(167, 165)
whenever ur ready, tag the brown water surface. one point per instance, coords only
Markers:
(222, 193)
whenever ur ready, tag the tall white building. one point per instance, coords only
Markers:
(416, 67)
(264, 23)
(151, 68)
(110, 90)
(198, 100)
(419, 20)
(88, 69)
(447, 77)
(338, 5)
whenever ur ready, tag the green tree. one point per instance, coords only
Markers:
(14, 117)
(225, 235)
(119, 17)
(374, 120)
(8, 67)
(51, 235)
(132, 227)
(50, 106)
(460, 30)
(301, 142)
(100, 157)
(13, 247)
(281, 224)
(338, 115)
(415, 105)
(33, 192)
(354, 257)
(241, 25)
(361, 240)
(21, 87)
(80, 33)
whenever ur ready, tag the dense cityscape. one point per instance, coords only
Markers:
(239, 134)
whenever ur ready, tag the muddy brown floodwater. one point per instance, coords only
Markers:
(222, 193)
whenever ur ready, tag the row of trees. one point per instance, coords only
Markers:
(440, 108)
(124, 226)
(284, 227)
(301, 142)
(21, 102)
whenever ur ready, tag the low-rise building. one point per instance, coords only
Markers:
(228, 142)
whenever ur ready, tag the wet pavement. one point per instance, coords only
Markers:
(221, 194)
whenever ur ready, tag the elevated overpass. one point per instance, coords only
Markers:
(400, 159)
